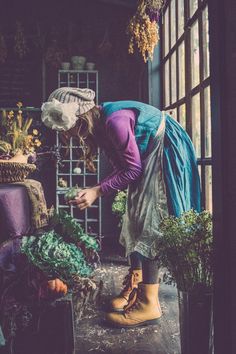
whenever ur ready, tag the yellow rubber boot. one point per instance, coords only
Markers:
(130, 283)
(146, 310)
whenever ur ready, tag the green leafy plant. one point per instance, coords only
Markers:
(55, 257)
(119, 204)
(72, 193)
(186, 249)
(71, 230)
(65, 251)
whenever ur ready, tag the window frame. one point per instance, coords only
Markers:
(190, 91)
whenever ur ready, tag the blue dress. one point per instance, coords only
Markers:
(179, 161)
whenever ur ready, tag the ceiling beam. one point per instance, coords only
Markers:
(125, 3)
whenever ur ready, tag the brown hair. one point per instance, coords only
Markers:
(86, 131)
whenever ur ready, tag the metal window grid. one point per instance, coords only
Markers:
(90, 218)
(190, 91)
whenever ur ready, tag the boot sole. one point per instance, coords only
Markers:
(116, 310)
(145, 323)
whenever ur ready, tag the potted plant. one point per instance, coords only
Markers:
(17, 142)
(186, 251)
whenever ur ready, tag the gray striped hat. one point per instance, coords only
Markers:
(83, 97)
(65, 105)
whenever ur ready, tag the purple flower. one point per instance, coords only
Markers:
(153, 14)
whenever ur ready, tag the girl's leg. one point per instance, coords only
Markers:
(150, 271)
(132, 279)
(136, 260)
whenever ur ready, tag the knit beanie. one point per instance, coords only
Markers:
(65, 105)
(83, 97)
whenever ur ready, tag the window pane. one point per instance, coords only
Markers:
(195, 62)
(180, 17)
(200, 173)
(208, 191)
(167, 83)
(181, 70)
(196, 124)
(166, 31)
(182, 115)
(205, 34)
(208, 151)
(173, 22)
(173, 79)
(193, 5)
(173, 113)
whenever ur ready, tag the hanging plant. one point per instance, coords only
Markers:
(54, 54)
(20, 48)
(143, 28)
(3, 49)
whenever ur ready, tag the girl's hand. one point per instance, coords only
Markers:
(86, 197)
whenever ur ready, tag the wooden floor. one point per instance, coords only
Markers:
(94, 336)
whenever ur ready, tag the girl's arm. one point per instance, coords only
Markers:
(120, 130)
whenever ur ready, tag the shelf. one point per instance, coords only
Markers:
(81, 82)
(90, 218)
(77, 174)
(78, 71)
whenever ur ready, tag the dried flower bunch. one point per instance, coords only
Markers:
(14, 133)
(143, 28)
(3, 49)
(21, 47)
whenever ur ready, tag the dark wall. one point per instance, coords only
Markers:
(223, 86)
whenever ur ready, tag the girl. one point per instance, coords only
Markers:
(154, 157)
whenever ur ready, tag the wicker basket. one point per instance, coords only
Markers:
(15, 171)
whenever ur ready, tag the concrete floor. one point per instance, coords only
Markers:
(94, 336)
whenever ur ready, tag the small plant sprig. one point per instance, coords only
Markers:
(186, 249)
(119, 205)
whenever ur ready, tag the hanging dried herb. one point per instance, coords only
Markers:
(143, 28)
(54, 54)
(3, 49)
(21, 49)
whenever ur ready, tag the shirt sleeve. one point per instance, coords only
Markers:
(120, 131)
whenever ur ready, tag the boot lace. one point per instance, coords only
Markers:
(135, 306)
(129, 281)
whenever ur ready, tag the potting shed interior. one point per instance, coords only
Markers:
(191, 77)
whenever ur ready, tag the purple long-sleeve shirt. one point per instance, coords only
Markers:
(126, 161)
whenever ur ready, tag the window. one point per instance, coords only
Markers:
(186, 78)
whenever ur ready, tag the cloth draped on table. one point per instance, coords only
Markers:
(39, 212)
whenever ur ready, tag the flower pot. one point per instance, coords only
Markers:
(90, 66)
(78, 60)
(77, 66)
(65, 65)
(196, 324)
(74, 59)
(15, 171)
